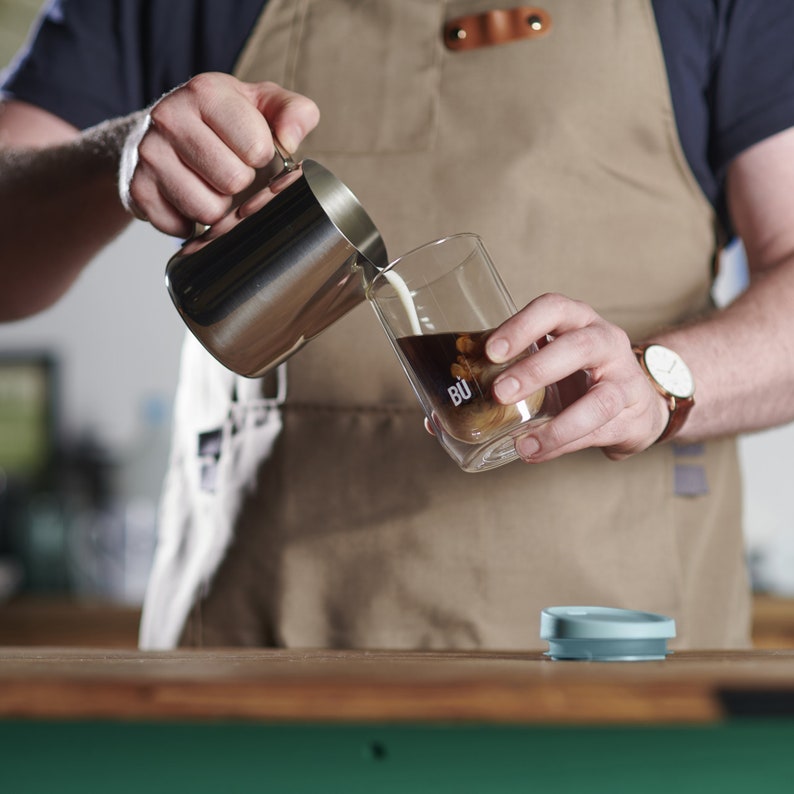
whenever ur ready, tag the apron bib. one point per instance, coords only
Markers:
(360, 531)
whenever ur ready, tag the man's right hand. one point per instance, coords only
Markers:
(202, 143)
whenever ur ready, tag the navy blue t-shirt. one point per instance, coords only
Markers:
(730, 64)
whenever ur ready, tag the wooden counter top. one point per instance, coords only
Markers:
(349, 686)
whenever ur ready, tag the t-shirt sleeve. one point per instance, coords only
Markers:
(80, 62)
(88, 61)
(753, 89)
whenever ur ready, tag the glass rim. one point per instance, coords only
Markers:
(431, 244)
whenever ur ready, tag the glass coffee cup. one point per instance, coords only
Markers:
(438, 304)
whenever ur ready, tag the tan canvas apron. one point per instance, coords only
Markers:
(562, 153)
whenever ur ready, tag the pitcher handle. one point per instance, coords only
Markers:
(282, 162)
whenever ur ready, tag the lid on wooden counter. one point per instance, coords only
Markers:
(605, 634)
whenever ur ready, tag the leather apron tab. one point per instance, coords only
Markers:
(497, 26)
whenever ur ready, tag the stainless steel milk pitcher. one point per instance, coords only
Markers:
(257, 291)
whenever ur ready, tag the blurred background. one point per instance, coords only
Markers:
(86, 392)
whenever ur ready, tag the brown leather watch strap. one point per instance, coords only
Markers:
(679, 408)
(497, 26)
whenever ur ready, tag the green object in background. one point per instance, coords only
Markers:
(84, 757)
(26, 441)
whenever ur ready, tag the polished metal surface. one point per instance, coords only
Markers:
(253, 291)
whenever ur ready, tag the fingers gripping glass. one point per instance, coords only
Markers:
(438, 304)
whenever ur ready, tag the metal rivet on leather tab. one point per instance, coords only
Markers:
(497, 26)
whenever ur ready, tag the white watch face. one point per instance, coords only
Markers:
(669, 371)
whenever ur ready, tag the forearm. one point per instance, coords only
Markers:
(742, 359)
(59, 207)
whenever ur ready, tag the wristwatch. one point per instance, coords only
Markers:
(672, 379)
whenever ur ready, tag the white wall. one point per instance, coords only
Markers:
(768, 467)
(117, 337)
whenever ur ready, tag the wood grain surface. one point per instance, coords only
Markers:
(349, 686)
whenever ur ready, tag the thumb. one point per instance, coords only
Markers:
(291, 116)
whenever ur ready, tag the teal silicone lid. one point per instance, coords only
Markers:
(605, 633)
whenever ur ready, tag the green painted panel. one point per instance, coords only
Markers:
(84, 757)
